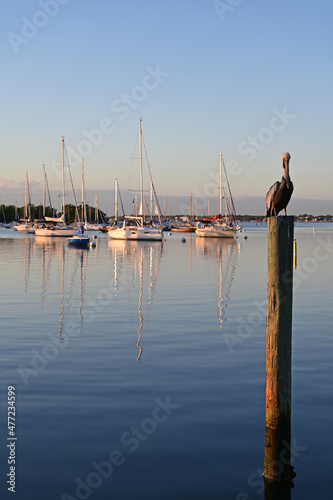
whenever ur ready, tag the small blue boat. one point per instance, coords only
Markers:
(79, 239)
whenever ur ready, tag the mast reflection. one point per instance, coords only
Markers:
(27, 262)
(225, 252)
(142, 260)
(68, 267)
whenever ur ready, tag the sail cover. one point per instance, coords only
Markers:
(55, 219)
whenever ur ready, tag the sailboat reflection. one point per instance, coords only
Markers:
(142, 260)
(55, 255)
(27, 263)
(225, 251)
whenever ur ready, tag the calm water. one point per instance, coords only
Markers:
(140, 368)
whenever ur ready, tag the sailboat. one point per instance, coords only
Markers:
(30, 225)
(134, 227)
(187, 227)
(46, 190)
(220, 229)
(56, 226)
(79, 239)
(26, 224)
(94, 226)
(112, 226)
(4, 223)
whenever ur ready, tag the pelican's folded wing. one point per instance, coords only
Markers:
(270, 197)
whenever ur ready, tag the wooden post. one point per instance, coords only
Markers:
(278, 349)
(275, 490)
(295, 253)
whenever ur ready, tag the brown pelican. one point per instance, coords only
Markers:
(280, 193)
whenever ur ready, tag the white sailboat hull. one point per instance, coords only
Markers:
(21, 227)
(55, 232)
(136, 233)
(216, 232)
(93, 227)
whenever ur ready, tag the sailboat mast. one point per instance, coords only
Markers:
(26, 196)
(226, 209)
(221, 191)
(63, 176)
(44, 190)
(82, 187)
(3, 214)
(29, 199)
(84, 208)
(220, 184)
(96, 209)
(151, 201)
(141, 174)
(48, 193)
(16, 212)
(191, 215)
(233, 210)
(116, 199)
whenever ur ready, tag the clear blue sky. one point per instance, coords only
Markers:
(204, 76)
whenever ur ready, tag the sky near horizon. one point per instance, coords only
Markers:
(250, 78)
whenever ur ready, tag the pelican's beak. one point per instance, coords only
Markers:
(286, 166)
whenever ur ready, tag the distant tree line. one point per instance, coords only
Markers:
(306, 217)
(302, 217)
(247, 218)
(9, 213)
